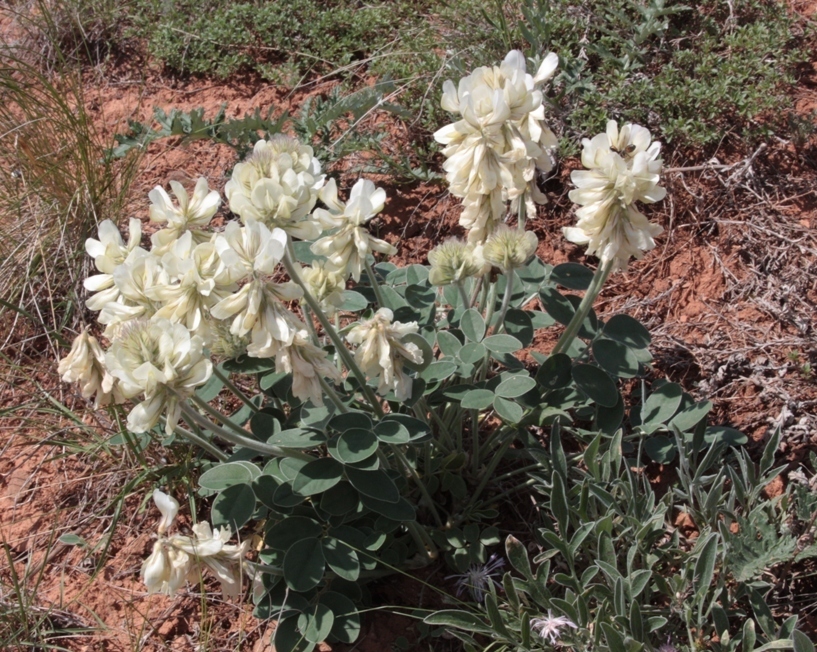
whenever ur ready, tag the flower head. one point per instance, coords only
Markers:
(85, 364)
(478, 578)
(623, 167)
(550, 627)
(192, 213)
(347, 248)
(326, 285)
(381, 352)
(508, 248)
(453, 261)
(308, 364)
(108, 253)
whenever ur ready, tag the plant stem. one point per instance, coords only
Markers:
(521, 212)
(583, 310)
(375, 285)
(475, 441)
(224, 378)
(333, 396)
(223, 418)
(418, 481)
(527, 483)
(506, 301)
(497, 458)
(199, 441)
(344, 353)
(466, 302)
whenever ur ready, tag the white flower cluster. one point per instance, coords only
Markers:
(493, 152)
(177, 559)
(623, 167)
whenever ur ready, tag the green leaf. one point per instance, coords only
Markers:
(211, 388)
(595, 382)
(317, 476)
(615, 358)
(420, 297)
(572, 276)
(416, 274)
(555, 372)
(518, 323)
(458, 619)
(477, 399)
(287, 638)
(508, 410)
(71, 539)
(283, 534)
(437, 371)
(347, 621)
(415, 427)
(690, 417)
(705, 565)
(749, 635)
(502, 343)
(233, 507)
(557, 305)
(763, 614)
(304, 564)
(340, 499)
(297, 438)
(264, 425)
(227, 474)
(355, 445)
(662, 404)
(472, 325)
(614, 640)
(801, 642)
(247, 365)
(660, 449)
(540, 319)
(725, 435)
(628, 331)
(398, 511)
(349, 420)
(353, 301)
(392, 432)
(316, 624)
(472, 353)
(376, 484)
(515, 386)
(341, 559)
(449, 344)
(518, 556)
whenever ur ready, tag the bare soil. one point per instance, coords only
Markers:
(729, 296)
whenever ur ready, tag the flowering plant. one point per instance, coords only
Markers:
(378, 403)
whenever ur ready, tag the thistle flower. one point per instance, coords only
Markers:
(347, 249)
(108, 253)
(85, 364)
(192, 213)
(278, 184)
(623, 167)
(454, 261)
(162, 362)
(478, 578)
(325, 285)
(307, 363)
(508, 248)
(550, 627)
(178, 558)
(382, 352)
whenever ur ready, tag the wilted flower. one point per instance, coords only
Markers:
(108, 253)
(481, 214)
(326, 285)
(478, 578)
(192, 213)
(307, 363)
(178, 558)
(162, 362)
(85, 364)
(623, 167)
(453, 261)
(347, 249)
(550, 627)
(508, 248)
(278, 184)
(382, 352)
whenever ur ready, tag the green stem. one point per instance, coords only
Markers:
(344, 353)
(240, 440)
(375, 285)
(223, 418)
(583, 310)
(201, 442)
(224, 378)
(310, 324)
(475, 442)
(506, 301)
(418, 481)
(495, 460)
(508, 492)
(336, 401)
(435, 417)
(521, 212)
(466, 302)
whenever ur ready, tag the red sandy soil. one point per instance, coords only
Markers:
(729, 296)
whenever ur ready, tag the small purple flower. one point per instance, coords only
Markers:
(551, 627)
(668, 647)
(478, 578)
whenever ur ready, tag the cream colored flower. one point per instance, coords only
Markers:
(508, 248)
(347, 248)
(307, 363)
(108, 253)
(381, 352)
(623, 167)
(481, 214)
(133, 279)
(162, 362)
(85, 364)
(251, 249)
(168, 506)
(453, 261)
(192, 214)
(325, 285)
(278, 184)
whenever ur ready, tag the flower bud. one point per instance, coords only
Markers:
(508, 248)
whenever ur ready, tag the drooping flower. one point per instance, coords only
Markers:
(278, 185)
(382, 353)
(85, 364)
(478, 578)
(307, 363)
(108, 253)
(508, 248)
(192, 214)
(162, 362)
(550, 627)
(347, 248)
(453, 261)
(623, 167)
(326, 285)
